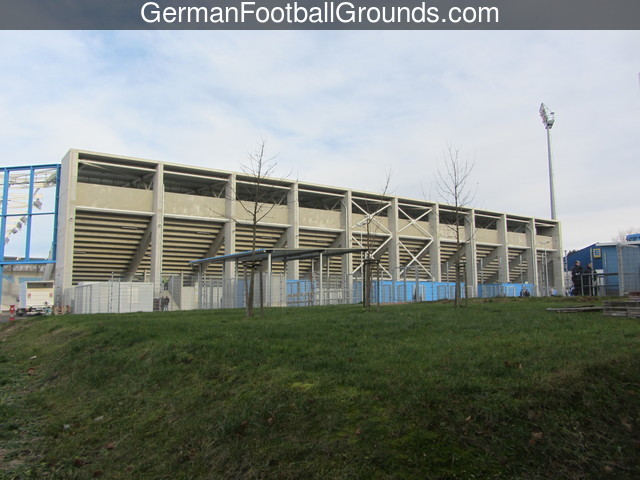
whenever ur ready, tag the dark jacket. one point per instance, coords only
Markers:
(576, 273)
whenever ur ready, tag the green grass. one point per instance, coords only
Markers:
(495, 390)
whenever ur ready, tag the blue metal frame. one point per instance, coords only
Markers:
(3, 223)
(29, 214)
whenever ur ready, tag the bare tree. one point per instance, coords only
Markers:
(452, 186)
(257, 206)
(622, 234)
(370, 222)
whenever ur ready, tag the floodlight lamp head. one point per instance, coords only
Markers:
(547, 116)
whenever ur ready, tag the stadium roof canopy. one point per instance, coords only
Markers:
(279, 254)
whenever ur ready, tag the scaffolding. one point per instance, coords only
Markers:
(28, 216)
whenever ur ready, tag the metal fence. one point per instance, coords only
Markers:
(629, 269)
(274, 291)
(110, 297)
(324, 289)
(190, 292)
(607, 284)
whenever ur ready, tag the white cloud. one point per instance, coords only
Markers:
(342, 108)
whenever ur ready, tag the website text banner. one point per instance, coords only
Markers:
(320, 15)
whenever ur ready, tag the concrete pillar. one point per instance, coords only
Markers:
(346, 224)
(230, 226)
(434, 247)
(471, 278)
(532, 254)
(293, 231)
(557, 257)
(503, 250)
(157, 229)
(394, 243)
(67, 201)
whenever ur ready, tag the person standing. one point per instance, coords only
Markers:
(587, 280)
(576, 278)
(165, 303)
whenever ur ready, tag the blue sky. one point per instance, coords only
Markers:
(344, 108)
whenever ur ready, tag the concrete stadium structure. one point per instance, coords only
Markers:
(137, 219)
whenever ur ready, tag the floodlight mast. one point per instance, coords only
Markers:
(547, 119)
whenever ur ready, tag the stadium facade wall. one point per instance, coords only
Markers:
(134, 219)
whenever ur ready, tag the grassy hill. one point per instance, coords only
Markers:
(496, 390)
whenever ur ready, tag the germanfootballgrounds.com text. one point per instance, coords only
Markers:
(327, 13)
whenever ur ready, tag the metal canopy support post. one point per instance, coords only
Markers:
(201, 268)
(261, 287)
(269, 265)
(321, 293)
(312, 301)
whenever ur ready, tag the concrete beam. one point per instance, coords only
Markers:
(145, 241)
(215, 246)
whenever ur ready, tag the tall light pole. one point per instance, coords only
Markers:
(548, 119)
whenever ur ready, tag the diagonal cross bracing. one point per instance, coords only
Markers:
(414, 222)
(415, 259)
(371, 217)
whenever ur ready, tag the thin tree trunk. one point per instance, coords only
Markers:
(257, 208)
